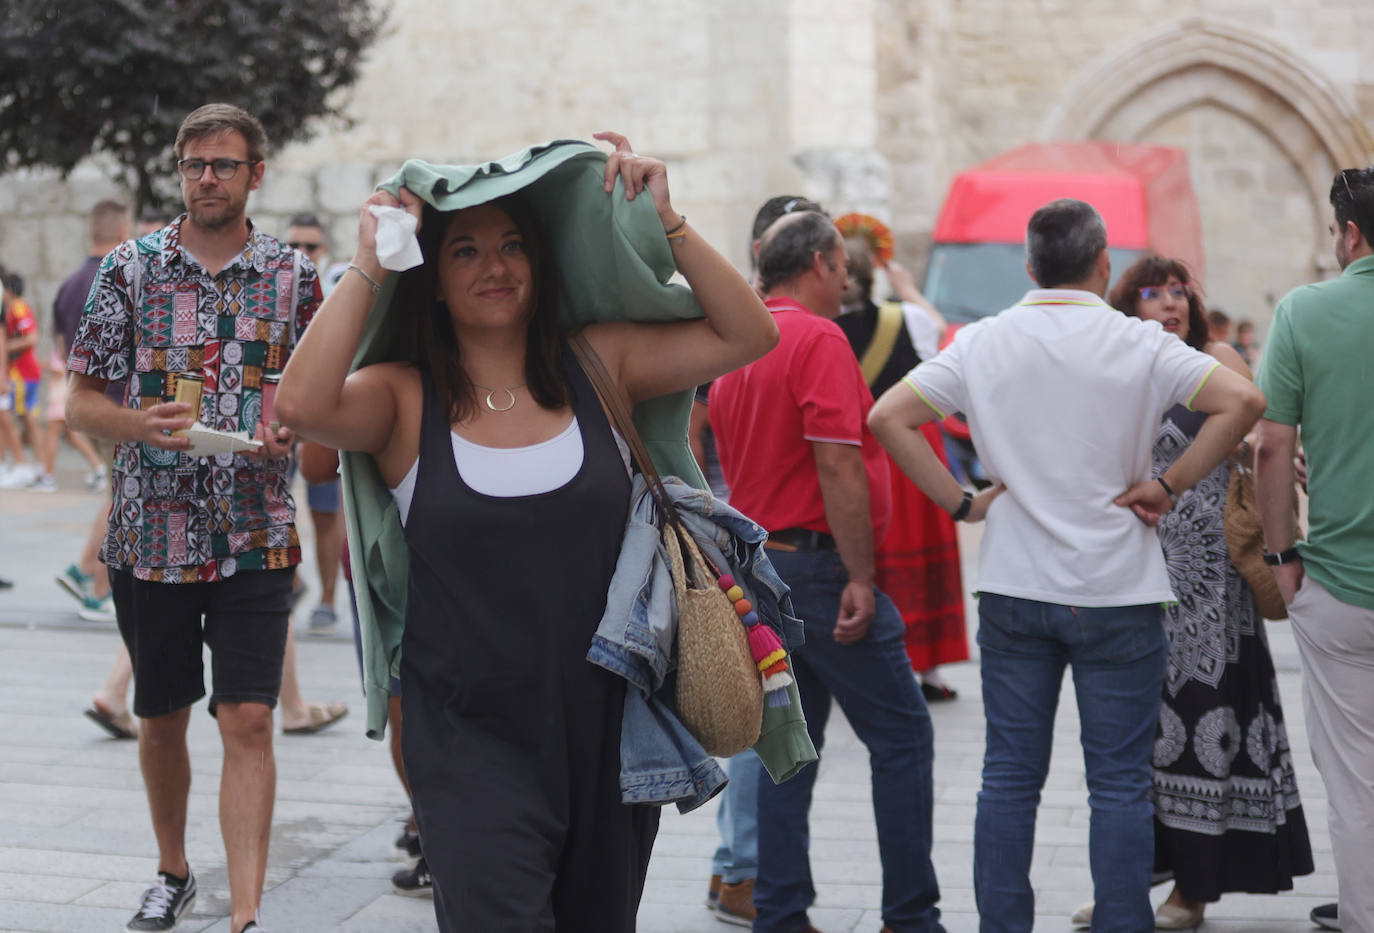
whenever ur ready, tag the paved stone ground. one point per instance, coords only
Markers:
(76, 847)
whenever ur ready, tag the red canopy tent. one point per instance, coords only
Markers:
(1143, 193)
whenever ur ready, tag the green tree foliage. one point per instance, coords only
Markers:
(118, 76)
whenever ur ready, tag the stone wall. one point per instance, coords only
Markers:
(870, 104)
(1268, 99)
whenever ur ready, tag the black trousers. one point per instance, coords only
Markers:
(519, 840)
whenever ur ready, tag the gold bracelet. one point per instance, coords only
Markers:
(366, 278)
(677, 232)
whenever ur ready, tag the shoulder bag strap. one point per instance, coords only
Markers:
(884, 340)
(618, 404)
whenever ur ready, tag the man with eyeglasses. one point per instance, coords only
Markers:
(1315, 374)
(200, 549)
(305, 233)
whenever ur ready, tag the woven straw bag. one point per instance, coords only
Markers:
(719, 690)
(1245, 542)
(719, 694)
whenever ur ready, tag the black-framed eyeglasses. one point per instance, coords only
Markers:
(224, 169)
(304, 246)
(1153, 292)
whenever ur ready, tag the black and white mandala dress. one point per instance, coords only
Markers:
(1227, 813)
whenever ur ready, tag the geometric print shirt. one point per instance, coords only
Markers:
(178, 518)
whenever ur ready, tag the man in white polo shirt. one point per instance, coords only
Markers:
(1063, 395)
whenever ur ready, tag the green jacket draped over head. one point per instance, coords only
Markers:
(614, 263)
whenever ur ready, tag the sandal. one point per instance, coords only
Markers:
(322, 716)
(119, 726)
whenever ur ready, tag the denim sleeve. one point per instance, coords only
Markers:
(660, 762)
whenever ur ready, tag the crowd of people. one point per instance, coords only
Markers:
(1117, 420)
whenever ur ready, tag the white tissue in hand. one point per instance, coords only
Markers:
(397, 247)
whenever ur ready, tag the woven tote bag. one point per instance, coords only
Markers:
(719, 693)
(719, 689)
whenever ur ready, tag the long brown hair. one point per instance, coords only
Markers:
(1156, 270)
(432, 343)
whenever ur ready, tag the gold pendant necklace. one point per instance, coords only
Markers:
(510, 393)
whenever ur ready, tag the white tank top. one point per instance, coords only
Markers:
(507, 472)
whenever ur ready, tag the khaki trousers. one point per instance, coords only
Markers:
(1336, 643)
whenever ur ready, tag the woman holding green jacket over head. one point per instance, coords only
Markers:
(514, 495)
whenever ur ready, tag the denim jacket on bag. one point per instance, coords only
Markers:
(660, 761)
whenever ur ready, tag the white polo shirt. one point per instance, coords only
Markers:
(1063, 396)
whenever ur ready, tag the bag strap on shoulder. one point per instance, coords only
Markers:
(618, 404)
(879, 351)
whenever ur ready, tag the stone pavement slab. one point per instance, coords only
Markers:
(76, 848)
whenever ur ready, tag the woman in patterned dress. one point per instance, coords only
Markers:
(1227, 814)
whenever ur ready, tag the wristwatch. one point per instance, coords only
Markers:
(962, 511)
(1173, 496)
(1282, 557)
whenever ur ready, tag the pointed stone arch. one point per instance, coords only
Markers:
(1201, 63)
(1211, 54)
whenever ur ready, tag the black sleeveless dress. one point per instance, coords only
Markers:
(511, 738)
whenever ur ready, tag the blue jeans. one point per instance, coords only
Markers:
(1118, 657)
(874, 685)
(737, 858)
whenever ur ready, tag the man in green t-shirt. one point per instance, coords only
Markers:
(1316, 373)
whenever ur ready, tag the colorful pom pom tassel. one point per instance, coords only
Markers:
(775, 668)
(750, 619)
(774, 658)
(778, 682)
(734, 593)
(763, 641)
(743, 607)
(726, 581)
(778, 698)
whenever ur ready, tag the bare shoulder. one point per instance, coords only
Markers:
(613, 341)
(392, 370)
(402, 381)
(613, 338)
(1226, 355)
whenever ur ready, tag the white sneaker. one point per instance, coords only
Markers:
(97, 477)
(17, 476)
(44, 483)
(1083, 916)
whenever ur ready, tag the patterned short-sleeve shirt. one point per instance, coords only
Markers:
(153, 313)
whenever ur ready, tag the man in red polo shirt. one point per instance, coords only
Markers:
(799, 459)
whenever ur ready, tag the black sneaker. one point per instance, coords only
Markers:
(414, 882)
(164, 903)
(1326, 916)
(408, 847)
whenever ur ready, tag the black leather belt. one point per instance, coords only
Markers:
(800, 539)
